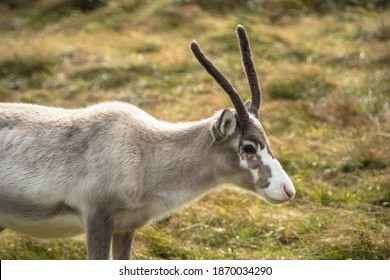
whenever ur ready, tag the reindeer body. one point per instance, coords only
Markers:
(109, 169)
(110, 154)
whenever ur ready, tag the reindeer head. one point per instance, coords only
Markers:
(239, 134)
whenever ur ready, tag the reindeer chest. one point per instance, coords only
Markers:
(165, 203)
(161, 206)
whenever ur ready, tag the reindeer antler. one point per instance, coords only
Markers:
(223, 82)
(250, 70)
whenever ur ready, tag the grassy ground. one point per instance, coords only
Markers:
(326, 81)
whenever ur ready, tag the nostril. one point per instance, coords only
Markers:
(290, 191)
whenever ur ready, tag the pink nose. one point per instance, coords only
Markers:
(289, 190)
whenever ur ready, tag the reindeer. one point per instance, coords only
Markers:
(109, 169)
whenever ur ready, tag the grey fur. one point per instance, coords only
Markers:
(112, 148)
(100, 230)
(121, 245)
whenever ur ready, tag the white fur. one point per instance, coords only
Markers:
(253, 118)
(56, 227)
(278, 180)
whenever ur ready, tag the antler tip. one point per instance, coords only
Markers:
(240, 28)
(194, 45)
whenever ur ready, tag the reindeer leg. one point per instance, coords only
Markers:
(121, 245)
(100, 227)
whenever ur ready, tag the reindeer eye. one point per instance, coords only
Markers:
(248, 148)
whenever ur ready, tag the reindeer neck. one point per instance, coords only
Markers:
(181, 159)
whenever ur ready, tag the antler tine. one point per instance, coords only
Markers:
(223, 82)
(249, 68)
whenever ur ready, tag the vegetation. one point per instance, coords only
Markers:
(324, 68)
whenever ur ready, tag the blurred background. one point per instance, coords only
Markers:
(325, 73)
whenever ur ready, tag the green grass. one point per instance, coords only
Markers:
(325, 74)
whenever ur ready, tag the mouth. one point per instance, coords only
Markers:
(290, 192)
(273, 201)
(283, 193)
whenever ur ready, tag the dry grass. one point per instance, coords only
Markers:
(325, 76)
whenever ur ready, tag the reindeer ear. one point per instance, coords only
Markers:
(251, 109)
(248, 104)
(225, 125)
